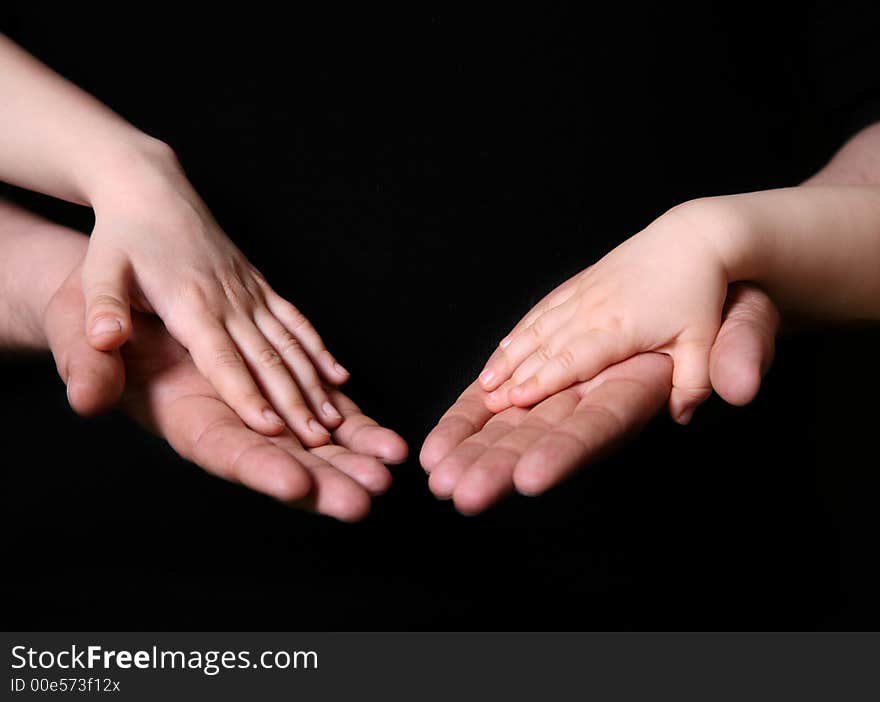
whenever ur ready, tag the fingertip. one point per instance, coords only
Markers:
(332, 416)
(331, 369)
(476, 492)
(431, 453)
(685, 416)
(291, 485)
(353, 507)
(108, 333)
(488, 379)
(525, 394)
(738, 386)
(377, 482)
(266, 422)
(498, 401)
(442, 483)
(393, 450)
(530, 481)
(683, 402)
(90, 394)
(469, 503)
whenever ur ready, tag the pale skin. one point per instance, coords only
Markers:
(815, 250)
(161, 388)
(156, 248)
(739, 353)
(475, 456)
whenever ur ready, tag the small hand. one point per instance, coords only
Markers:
(477, 457)
(157, 248)
(662, 290)
(167, 394)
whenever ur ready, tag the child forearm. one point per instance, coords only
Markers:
(815, 250)
(58, 139)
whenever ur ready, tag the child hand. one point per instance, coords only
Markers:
(156, 247)
(662, 290)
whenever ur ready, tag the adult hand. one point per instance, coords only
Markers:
(167, 394)
(477, 458)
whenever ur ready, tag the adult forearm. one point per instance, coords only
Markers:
(57, 139)
(35, 258)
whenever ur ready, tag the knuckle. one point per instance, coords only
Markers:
(105, 299)
(227, 357)
(235, 292)
(566, 359)
(269, 358)
(544, 353)
(536, 328)
(296, 320)
(251, 399)
(289, 345)
(195, 294)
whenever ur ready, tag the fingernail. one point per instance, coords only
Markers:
(270, 416)
(317, 428)
(340, 368)
(487, 376)
(331, 411)
(505, 342)
(106, 325)
(686, 416)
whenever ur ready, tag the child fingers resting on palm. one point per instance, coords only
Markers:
(814, 249)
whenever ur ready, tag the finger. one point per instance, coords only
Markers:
(94, 379)
(690, 380)
(268, 369)
(301, 328)
(360, 434)
(300, 366)
(333, 493)
(522, 345)
(465, 418)
(613, 406)
(366, 471)
(206, 432)
(578, 359)
(744, 348)
(106, 278)
(499, 399)
(489, 477)
(446, 475)
(554, 298)
(219, 360)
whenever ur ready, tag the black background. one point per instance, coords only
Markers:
(415, 182)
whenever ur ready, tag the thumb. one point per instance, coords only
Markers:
(744, 348)
(95, 379)
(106, 278)
(690, 381)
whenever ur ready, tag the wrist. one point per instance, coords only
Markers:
(136, 164)
(721, 226)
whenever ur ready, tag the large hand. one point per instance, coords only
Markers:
(166, 393)
(476, 457)
(156, 244)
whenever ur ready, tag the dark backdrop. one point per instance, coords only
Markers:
(415, 182)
